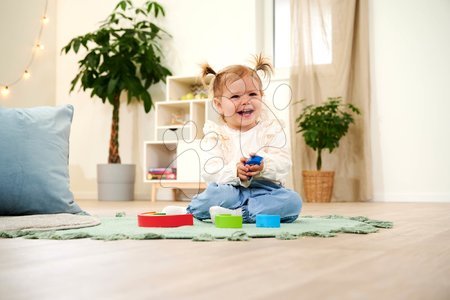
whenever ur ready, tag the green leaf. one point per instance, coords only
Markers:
(76, 45)
(150, 4)
(147, 99)
(111, 90)
(123, 5)
(161, 9)
(73, 83)
(139, 11)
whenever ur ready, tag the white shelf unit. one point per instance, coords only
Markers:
(177, 86)
(178, 131)
(180, 119)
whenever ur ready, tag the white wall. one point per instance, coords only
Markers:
(410, 64)
(20, 21)
(410, 42)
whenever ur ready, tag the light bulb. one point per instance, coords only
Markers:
(5, 91)
(26, 75)
(45, 20)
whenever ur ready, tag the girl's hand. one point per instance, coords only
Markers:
(255, 170)
(244, 172)
(242, 169)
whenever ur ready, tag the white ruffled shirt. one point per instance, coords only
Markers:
(224, 146)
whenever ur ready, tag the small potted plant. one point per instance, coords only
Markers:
(123, 55)
(322, 127)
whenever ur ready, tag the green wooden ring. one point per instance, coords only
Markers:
(228, 221)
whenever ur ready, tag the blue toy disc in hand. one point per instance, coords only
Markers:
(254, 160)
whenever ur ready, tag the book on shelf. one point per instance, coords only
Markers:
(162, 173)
(161, 176)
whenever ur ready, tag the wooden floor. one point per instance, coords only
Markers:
(410, 261)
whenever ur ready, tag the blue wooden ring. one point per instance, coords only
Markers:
(268, 221)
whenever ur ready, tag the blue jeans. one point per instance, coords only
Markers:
(261, 197)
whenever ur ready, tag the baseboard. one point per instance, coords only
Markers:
(166, 194)
(85, 195)
(424, 197)
(163, 194)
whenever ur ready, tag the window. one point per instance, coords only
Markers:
(282, 33)
(317, 37)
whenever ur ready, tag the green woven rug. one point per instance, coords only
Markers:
(125, 227)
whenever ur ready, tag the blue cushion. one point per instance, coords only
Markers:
(34, 156)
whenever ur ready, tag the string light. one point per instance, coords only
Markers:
(5, 87)
(5, 91)
(26, 75)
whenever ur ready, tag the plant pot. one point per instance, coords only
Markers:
(318, 185)
(116, 181)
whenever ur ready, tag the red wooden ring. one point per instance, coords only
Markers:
(152, 219)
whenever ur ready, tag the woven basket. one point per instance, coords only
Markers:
(318, 185)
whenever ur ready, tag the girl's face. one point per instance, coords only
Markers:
(240, 103)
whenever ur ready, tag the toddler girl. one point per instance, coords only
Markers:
(235, 187)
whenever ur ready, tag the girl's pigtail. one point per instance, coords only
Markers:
(206, 70)
(263, 64)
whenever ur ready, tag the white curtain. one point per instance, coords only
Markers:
(330, 58)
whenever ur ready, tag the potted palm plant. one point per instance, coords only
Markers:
(123, 55)
(322, 127)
